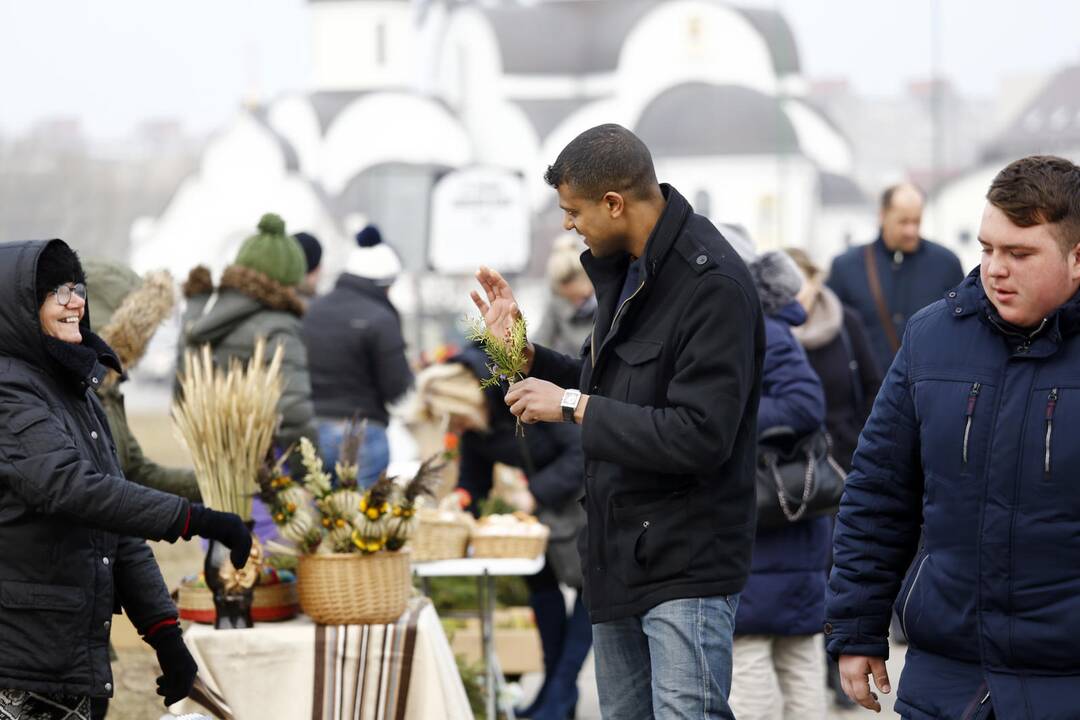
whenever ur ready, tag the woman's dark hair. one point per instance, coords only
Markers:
(606, 158)
(1038, 190)
(57, 264)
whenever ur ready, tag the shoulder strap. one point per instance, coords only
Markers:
(879, 298)
(853, 367)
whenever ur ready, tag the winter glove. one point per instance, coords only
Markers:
(178, 668)
(226, 528)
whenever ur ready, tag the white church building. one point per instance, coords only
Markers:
(437, 119)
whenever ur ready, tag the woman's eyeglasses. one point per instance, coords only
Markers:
(63, 293)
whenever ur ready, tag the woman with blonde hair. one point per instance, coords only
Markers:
(569, 317)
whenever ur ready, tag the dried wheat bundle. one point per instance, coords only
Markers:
(227, 421)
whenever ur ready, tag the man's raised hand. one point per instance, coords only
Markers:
(501, 309)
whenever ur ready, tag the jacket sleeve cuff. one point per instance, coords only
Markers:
(843, 637)
(181, 527)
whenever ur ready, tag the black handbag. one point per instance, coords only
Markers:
(796, 477)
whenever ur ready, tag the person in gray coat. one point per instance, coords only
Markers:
(257, 298)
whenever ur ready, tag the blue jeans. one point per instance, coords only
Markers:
(674, 661)
(374, 455)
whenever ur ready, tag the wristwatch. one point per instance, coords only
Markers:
(569, 404)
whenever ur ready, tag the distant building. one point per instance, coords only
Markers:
(404, 94)
(1049, 123)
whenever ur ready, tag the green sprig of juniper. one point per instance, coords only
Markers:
(507, 355)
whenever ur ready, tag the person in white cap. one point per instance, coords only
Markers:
(356, 354)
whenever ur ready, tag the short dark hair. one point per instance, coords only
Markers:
(1038, 190)
(890, 192)
(606, 158)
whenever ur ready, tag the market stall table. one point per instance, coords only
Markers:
(485, 570)
(299, 670)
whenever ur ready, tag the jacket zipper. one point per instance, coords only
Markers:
(1051, 406)
(911, 590)
(618, 312)
(973, 397)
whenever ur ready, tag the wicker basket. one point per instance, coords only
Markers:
(355, 589)
(439, 540)
(508, 546)
(271, 603)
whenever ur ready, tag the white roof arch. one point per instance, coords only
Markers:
(390, 127)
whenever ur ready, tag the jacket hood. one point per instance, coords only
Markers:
(792, 314)
(128, 309)
(824, 321)
(243, 292)
(777, 279)
(20, 327)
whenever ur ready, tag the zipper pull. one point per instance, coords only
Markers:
(1051, 406)
(973, 397)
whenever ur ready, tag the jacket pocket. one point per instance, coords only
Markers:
(40, 625)
(652, 541)
(903, 602)
(640, 368)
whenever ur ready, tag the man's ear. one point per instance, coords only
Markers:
(1074, 256)
(615, 204)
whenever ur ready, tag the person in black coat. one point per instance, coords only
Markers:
(71, 527)
(356, 355)
(551, 457)
(666, 392)
(839, 351)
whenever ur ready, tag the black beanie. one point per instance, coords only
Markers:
(57, 265)
(312, 249)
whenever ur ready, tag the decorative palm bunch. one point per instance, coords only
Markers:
(318, 518)
(227, 421)
(507, 355)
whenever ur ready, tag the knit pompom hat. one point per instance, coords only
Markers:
(373, 259)
(273, 253)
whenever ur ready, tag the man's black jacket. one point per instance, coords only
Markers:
(669, 434)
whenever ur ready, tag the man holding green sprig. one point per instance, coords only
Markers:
(666, 390)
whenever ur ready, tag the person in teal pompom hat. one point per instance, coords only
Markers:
(273, 253)
(257, 297)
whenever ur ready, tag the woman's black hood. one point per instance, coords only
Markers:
(20, 325)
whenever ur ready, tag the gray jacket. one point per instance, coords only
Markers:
(248, 305)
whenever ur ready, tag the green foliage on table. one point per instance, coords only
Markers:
(494, 505)
(458, 594)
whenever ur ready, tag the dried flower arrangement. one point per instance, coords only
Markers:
(507, 355)
(316, 517)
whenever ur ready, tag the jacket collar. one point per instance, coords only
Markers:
(879, 243)
(607, 273)
(969, 298)
(364, 286)
(824, 321)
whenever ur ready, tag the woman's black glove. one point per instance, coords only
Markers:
(226, 528)
(178, 668)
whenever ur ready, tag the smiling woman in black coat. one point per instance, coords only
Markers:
(71, 527)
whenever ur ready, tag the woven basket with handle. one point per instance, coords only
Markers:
(439, 540)
(509, 546)
(355, 589)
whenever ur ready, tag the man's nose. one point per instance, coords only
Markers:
(568, 223)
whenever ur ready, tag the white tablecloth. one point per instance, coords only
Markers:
(297, 670)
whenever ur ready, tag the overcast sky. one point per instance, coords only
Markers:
(112, 63)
